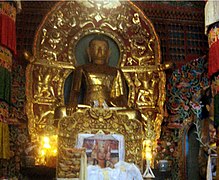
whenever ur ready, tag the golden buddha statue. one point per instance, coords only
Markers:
(104, 85)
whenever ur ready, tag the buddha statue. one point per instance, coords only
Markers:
(104, 85)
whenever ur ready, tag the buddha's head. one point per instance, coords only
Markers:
(98, 50)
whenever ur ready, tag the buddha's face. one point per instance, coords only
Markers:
(99, 52)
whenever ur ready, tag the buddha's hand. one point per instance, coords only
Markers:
(70, 110)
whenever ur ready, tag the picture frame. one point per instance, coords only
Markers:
(104, 150)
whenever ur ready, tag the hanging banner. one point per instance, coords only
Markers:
(213, 41)
(4, 112)
(8, 26)
(5, 58)
(5, 85)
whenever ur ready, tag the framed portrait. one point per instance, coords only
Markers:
(101, 149)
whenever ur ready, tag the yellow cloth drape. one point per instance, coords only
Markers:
(4, 141)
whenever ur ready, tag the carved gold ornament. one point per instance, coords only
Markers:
(54, 59)
(94, 120)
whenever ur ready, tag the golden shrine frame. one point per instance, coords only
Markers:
(54, 59)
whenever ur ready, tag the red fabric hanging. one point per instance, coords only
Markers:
(8, 32)
(213, 42)
(213, 61)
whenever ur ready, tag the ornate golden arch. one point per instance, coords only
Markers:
(53, 59)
